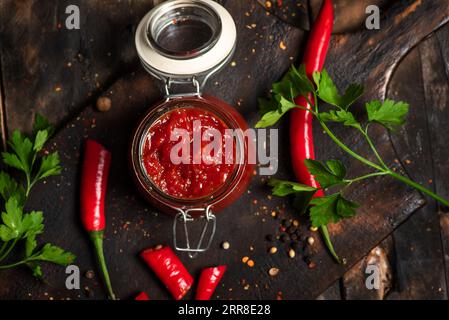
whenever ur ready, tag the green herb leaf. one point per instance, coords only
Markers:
(390, 114)
(9, 188)
(327, 175)
(284, 188)
(351, 95)
(32, 223)
(328, 92)
(342, 116)
(49, 166)
(301, 82)
(302, 201)
(12, 218)
(346, 208)
(40, 139)
(42, 124)
(13, 160)
(326, 89)
(271, 117)
(331, 209)
(323, 210)
(36, 269)
(23, 148)
(30, 245)
(55, 254)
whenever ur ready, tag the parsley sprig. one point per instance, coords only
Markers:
(24, 154)
(333, 207)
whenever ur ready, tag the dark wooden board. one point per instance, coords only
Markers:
(133, 94)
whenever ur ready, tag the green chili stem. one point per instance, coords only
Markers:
(97, 239)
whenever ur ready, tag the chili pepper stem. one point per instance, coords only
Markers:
(97, 239)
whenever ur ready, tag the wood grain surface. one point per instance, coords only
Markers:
(58, 72)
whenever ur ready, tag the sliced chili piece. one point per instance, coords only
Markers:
(169, 269)
(209, 279)
(142, 296)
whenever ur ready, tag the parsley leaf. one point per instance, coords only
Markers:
(15, 224)
(40, 139)
(331, 209)
(323, 210)
(342, 116)
(12, 219)
(300, 81)
(9, 188)
(54, 254)
(22, 147)
(49, 166)
(42, 124)
(330, 174)
(271, 117)
(284, 188)
(390, 114)
(328, 92)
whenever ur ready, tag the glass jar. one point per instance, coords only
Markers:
(184, 42)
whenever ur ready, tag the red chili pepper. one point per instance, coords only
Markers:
(301, 137)
(142, 296)
(209, 279)
(169, 269)
(94, 181)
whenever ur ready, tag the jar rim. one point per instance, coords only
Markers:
(153, 28)
(163, 65)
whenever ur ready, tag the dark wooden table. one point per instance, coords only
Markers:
(60, 73)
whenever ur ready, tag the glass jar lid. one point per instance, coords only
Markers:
(181, 40)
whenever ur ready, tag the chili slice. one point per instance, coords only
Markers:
(209, 279)
(169, 269)
(94, 180)
(142, 296)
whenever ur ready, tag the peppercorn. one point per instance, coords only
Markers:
(294, 245)
(269, 237)
(310, 241)
(104, 104)
(273, 272)
(291, 253)
(294, 237)
(273, 250)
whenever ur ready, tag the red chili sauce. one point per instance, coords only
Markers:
(184, 180)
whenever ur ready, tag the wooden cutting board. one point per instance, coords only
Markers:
(368, 57)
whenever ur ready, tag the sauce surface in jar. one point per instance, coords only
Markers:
(190, 179)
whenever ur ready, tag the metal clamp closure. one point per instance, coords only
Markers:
(193, 80)
(184, 217)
